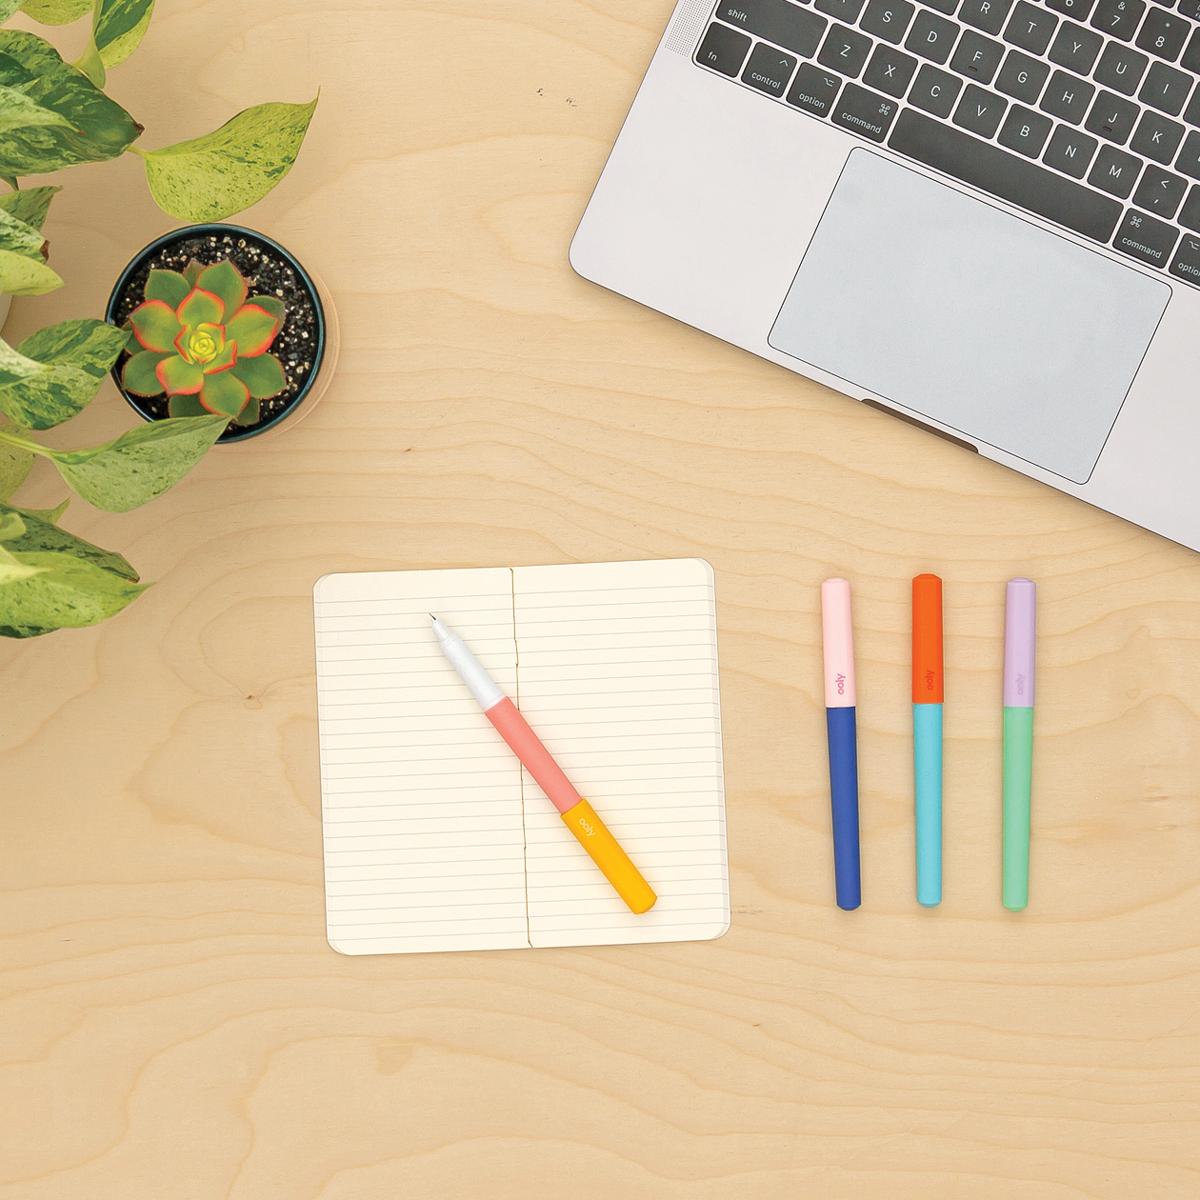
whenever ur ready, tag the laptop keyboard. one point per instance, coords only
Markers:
(1085, 112)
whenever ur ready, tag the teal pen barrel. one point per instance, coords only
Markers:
(927, 772)
(1018, 779)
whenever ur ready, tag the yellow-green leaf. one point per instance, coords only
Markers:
(54, 373)
(7, 8)
(92, 127)
(120, 26)
(42, 533)
(64, 592)
(140, 464)
(29, 205)
(23, 270)
(56, 12)
(15, 464)
(212, 177)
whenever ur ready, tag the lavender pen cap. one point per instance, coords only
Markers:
(1020, 620)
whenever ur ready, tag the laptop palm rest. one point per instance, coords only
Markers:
(958, 311)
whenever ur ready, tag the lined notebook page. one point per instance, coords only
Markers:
(436, 839)
(424, 839)
(617, 672)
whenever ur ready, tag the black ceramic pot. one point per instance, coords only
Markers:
(306, 344)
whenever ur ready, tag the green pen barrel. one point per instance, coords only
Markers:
(1018, 779)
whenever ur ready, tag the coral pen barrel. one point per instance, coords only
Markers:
(840, 698)
(577, 814)
(927, 694)
(1020, 626)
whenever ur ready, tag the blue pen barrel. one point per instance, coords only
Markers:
(927, 772)
(843, 792)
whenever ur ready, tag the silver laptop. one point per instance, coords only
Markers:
(980, 215)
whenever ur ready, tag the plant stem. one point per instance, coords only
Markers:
(15, 439)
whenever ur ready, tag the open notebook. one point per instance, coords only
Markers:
(435, 836)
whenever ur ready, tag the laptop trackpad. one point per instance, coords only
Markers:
(956, 310)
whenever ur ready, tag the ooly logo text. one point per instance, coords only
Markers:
(585, 824)
(841, 685)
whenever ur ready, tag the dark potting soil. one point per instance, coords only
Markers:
(266, 274)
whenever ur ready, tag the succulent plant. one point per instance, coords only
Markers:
(204, 344)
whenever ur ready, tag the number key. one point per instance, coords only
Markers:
(1163, 34)
(1118, 17)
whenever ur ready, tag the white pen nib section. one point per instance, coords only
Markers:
(483, 686)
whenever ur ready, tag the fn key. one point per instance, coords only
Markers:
(864, 112)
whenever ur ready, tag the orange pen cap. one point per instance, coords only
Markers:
(928, 685)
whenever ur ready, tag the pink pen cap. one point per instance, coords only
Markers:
(838, 634)
(1020, 619)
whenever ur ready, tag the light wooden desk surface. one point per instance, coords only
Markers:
(173, 1023)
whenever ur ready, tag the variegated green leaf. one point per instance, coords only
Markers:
(69, 361)
(65, 592)
(23, 270)
(215, 176)
(15, 464)
(11, 525)
(7, 8)
(91, 64)
(18, 111)
(49, 515)
(56, 12)
(96, 128)
(44, 534)
(140, 464)
(14, 570)
(29, 205)
(120, 26)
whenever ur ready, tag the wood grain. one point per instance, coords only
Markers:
(172, 1022)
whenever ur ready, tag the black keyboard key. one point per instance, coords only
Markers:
(1024, 131)
(769, 69)
(1070, 151)
(1166, 89)
(843, 10)
(1191, 114)
(723, 49)
(1067, 97)
(1078, 9)
(864, 112)
(889, 70)
(1157, 138)
(987, 15)
(979, 111)
(1186, 263)
(932, 36)
(1160, 192)
(1191, 56)
(814, 90)
(1006, 176)
(888, 19)
(1112, 118)
(1163, 34)
(1022, 77)
(1120, 68)
(943, 6)
(1189, 215)
(1144, 238)
(1030, 28)
(1118, 17)
(1190, 8)
(1076, 48)
(845, 50)
(935, 91)
(976, 57)
(1189, 157)
(1115, 171)
(777, 21)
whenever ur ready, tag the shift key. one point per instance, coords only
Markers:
(864, 112)
(787, 25)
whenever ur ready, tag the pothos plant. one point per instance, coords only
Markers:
(54, 115)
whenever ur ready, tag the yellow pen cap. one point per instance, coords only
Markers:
(606, 853)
